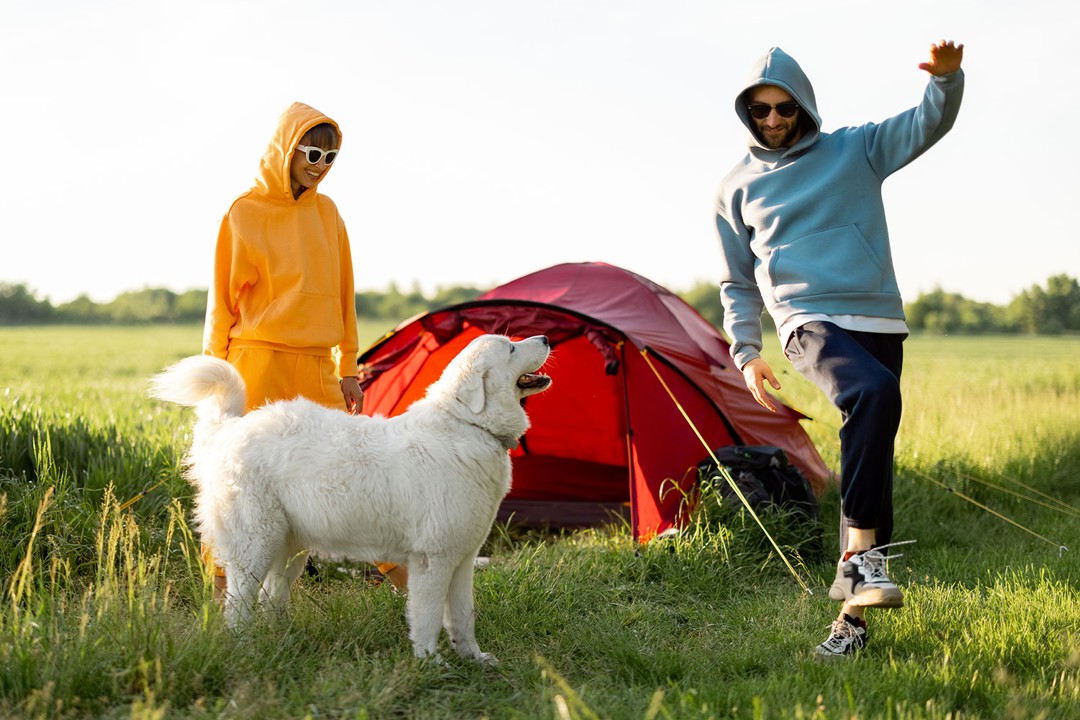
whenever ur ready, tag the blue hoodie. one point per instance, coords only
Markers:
(802, 229)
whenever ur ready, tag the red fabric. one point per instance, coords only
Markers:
(606, 409)
(667, 448)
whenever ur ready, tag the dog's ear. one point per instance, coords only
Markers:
(472, 391)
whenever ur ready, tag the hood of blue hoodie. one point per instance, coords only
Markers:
(778, 68)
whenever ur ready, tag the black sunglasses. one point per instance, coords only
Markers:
(760, 111)
(313, 154)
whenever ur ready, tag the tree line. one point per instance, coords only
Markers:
(1052, 309)
(20, 305)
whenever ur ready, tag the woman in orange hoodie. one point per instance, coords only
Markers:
(281, 307)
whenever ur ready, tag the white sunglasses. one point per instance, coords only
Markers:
(313, 154)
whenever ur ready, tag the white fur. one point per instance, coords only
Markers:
(420, 489)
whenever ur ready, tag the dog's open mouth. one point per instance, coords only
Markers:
(533, 381)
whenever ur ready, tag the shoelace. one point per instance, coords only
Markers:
(840, 631)
(874, 560)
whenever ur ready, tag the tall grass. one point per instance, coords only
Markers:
(105, 611)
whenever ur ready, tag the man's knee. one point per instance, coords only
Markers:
(881, 391)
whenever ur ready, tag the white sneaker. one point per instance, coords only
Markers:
(861, 580)
(847, 636)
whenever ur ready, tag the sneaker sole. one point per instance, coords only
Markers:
(870, 597)
(826, 656)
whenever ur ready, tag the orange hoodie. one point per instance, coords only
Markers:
(283, 275)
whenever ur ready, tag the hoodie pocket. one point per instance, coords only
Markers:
(301, 320)
(837, 260)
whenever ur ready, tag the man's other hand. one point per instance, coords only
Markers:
(755, 373)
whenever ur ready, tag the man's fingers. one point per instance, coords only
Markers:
(763, 398)
(945, 56)
(757, 373)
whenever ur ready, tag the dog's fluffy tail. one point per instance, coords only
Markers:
(211, 385)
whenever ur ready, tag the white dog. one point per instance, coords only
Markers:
(420, 489)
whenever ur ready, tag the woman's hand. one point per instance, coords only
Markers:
(354, 396)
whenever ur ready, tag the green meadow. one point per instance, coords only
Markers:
(106, 612)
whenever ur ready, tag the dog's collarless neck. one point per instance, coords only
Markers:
(508, 442)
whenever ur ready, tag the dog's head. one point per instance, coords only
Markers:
(485, 384)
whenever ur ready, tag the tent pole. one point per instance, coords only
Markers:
(631, 479)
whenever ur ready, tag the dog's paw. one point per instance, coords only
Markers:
(487, 659)
(434, 658)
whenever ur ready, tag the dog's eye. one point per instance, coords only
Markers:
(512, 349)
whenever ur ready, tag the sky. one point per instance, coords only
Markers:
(487, 139)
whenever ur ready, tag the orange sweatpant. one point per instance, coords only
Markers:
(275, 375)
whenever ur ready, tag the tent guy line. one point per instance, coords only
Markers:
(727, 475)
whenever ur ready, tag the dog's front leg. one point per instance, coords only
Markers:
(428, 582)
(459, 618)
(241, 591)
(283, 572)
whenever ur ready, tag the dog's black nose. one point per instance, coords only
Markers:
(544, 339)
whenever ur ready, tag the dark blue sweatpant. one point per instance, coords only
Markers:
(860, 374)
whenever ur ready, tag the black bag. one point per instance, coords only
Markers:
(763, 475)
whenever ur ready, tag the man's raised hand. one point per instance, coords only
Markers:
(945, 57)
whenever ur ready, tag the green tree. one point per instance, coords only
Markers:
(81, 311)
(1049, 311)
(942, 312)
(453, 295)
(20, 305)
(190, 306)
(143, 306)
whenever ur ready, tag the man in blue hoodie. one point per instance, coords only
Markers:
(803, 234)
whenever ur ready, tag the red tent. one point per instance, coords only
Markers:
(607, 435)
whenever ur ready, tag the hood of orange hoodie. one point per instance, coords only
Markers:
(273, 181)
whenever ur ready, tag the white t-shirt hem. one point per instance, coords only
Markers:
(856, 323)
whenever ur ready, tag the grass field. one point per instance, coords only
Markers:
(106, 612)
